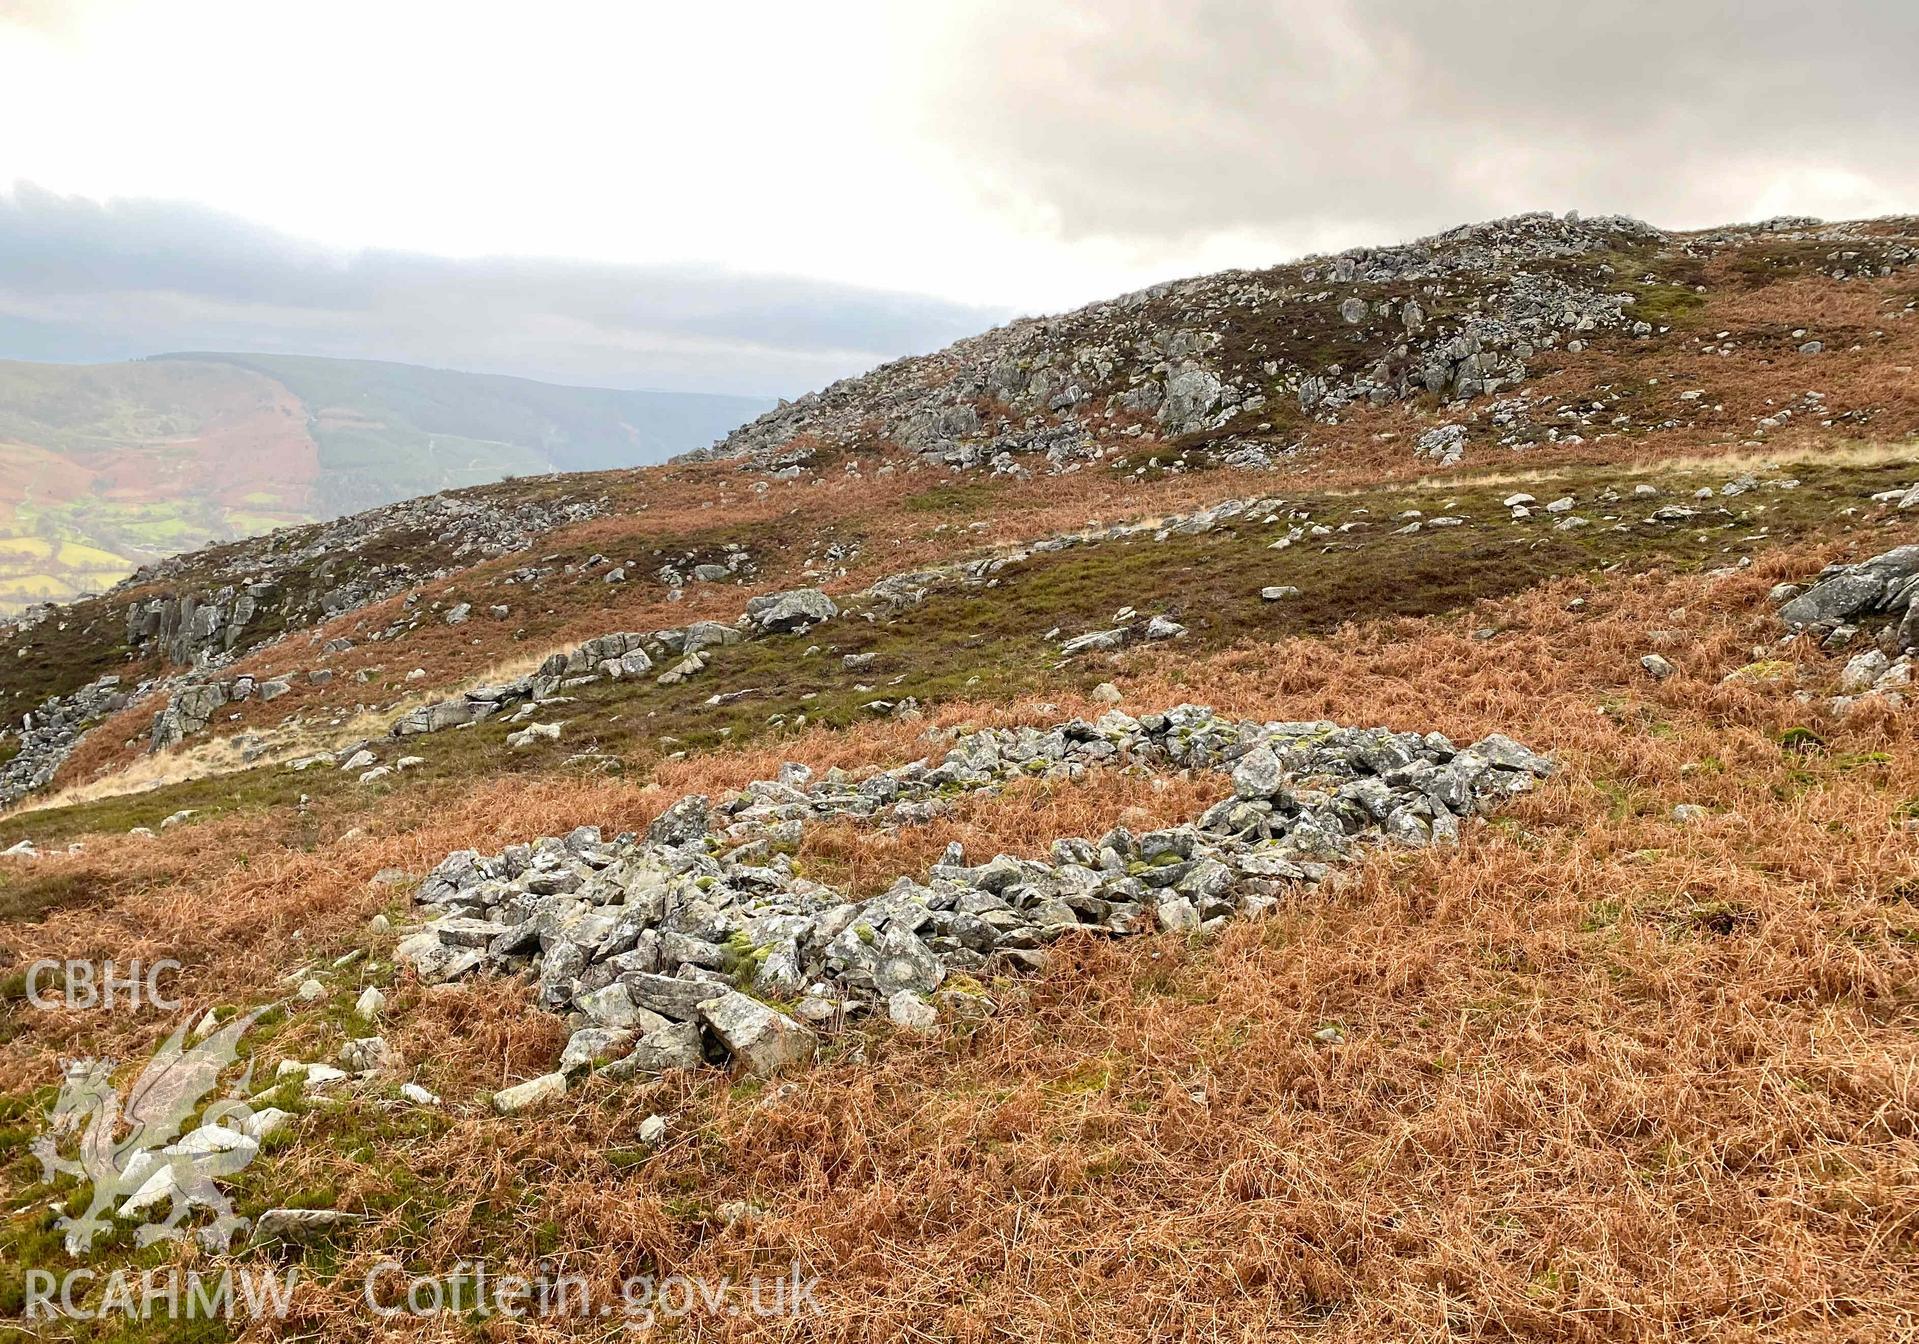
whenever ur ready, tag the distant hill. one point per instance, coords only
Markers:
(104, 467)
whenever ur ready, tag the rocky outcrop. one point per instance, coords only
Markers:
(296, 577)
(1229, 365)
(47, 735)
(670, 947)
(191, 708)
(1219, 355)
(1836, 609)
(191, 627)
(630, 654)
(625, 654)
(784, 613)
(1887, 583)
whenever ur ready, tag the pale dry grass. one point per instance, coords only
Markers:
(1814, 452)
(214, 755)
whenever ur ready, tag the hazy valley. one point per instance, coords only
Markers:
(105, 467)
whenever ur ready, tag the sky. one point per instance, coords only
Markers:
(759, 197)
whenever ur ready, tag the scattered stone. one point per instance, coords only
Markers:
(793, 610)
(266, 1121)
(1444, 443)
(1862, 671)
(1098, 641)
(314, 1075)
(533, 734)
(368, 1054)
(590, 1047)
(1765, 671)
(673, 1047)
(907, 1009)
(532, 1093)
(299, 1225)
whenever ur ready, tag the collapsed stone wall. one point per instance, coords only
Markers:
(700, 940)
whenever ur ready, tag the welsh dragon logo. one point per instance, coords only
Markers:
(127, 1146)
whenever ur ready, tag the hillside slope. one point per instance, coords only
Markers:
(1236, 367)
(103, 467)
(1421, 857)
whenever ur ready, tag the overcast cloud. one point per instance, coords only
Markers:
(86, 281)
(763, 196)
(1175, 121)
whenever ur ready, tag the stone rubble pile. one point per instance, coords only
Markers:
(48, 734)
(699, 941)
(627, 655)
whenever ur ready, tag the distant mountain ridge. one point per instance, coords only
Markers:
(108, 466)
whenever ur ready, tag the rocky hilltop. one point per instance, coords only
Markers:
(1235, 364)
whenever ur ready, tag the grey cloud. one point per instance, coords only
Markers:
(1156, 121)
(84, 280)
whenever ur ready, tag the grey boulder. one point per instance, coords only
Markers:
(763, 1040)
